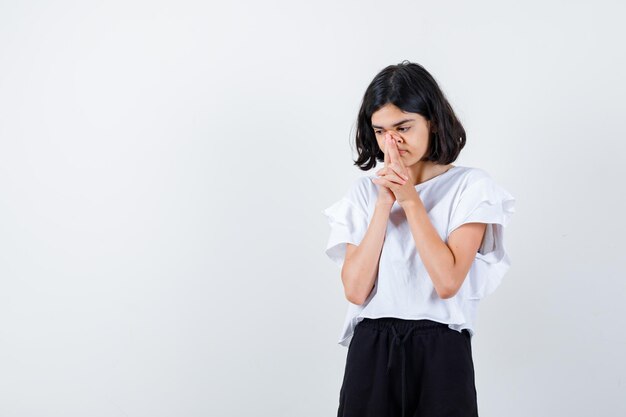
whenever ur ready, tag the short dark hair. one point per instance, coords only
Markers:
(411, 88)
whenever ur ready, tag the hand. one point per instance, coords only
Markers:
(395, 178)
(385, 195)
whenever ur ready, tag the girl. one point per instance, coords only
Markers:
(419, 244)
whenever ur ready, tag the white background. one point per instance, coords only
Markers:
(163, 166)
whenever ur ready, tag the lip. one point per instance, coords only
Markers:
(403, 152)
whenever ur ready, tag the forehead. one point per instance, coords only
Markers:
(390, 115)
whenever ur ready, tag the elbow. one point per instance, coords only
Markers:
(444, 295)
(352, 294)
(351, 291)
(448, 291)
(355, 299)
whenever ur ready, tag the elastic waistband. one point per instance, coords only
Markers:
(402, 325)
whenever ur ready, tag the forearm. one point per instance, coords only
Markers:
(361, 267)
(437, 257)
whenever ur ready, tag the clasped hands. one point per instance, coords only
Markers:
(395, 178)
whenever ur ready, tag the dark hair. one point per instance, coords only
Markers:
(411, 88)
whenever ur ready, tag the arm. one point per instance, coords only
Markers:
(447, 264)
(360, 268)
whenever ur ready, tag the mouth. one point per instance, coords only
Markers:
(403, 152)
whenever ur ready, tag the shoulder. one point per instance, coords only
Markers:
(481, 199)
(473, 179)
(472, 175)
(361, 192)
(478, 184)
(362, 188)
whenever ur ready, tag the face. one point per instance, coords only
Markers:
(411, 131)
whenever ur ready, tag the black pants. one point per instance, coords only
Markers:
(408, 368)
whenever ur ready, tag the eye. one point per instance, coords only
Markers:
(403, 129)
(376, 132)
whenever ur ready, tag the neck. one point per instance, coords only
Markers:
(425, 170)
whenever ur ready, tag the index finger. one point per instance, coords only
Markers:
(387, 158)
(394, 155)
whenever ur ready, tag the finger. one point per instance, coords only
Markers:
(386, 150)
(382, 171)
(401, 171)
(394, 155)
(384, 183)
(393, 177)
(397, 159)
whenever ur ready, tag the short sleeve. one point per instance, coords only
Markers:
(348, 222)
(484, 201)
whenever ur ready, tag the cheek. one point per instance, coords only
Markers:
(419, 142)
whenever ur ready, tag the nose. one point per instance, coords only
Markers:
(393, 136)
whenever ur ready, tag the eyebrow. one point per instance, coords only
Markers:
(395, 124)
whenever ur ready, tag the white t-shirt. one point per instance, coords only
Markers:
(403, 288)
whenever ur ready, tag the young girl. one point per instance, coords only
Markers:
(419, 244)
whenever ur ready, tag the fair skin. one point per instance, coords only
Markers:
(447, 263)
